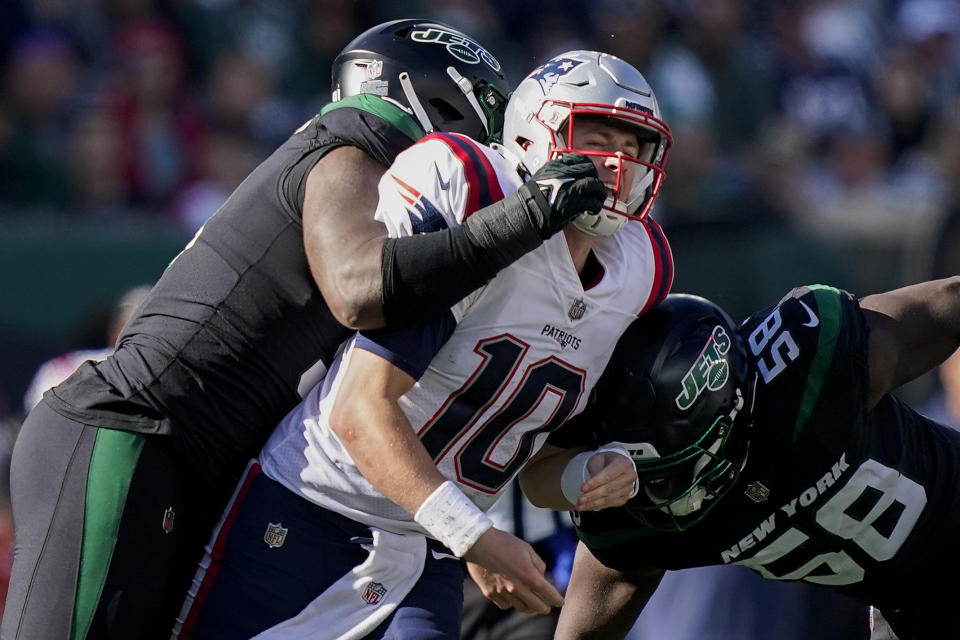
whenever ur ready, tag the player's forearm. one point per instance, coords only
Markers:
(936, 307)
(367, 419)
(579, 479)
(425, 274)
(540, 478)
(392, 458)
(417, 277)
(397, 465)
(383, 445)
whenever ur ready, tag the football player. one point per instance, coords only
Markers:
(356, 514)
(777, 445)
(121, 472)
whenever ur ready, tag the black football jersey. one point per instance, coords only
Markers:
(216, 353)
(863, 502)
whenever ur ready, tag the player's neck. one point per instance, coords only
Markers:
(580, 245)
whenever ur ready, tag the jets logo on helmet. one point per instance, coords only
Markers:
(710, 370)
(459, 46)
(550, 73)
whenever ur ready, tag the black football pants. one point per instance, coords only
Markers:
(109, 528)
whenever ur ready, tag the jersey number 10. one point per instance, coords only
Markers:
(502, 355)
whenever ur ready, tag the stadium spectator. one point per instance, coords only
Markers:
(94, 155)
(39, 84)
(161, 126)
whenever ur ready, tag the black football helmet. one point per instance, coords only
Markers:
(441, 76)
(673, 395)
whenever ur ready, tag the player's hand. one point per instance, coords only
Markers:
(510, 573)
(611, 484)
(572, 186)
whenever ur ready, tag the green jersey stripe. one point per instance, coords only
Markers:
(382, 109)
(831, 319)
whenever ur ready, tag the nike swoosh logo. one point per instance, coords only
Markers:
(443, 185)
(439, 555)
(814, 320)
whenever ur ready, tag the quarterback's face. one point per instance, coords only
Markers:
(597, 135)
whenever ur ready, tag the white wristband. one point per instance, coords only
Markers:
(615, 448)
(576, 472)
(450, 516)
(574, 475)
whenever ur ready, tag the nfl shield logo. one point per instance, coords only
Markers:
(275, 535)
(168, 516)
(374, 593)
(757, 492)
(374, 69)
(577, 309)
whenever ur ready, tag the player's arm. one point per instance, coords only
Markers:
(342, 240)
(376, 433)
(369, 280)
(603, 603)
(912, 330)
(578, 479)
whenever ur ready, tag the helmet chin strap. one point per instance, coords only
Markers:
(511, 157)
(600, 224)
(414, 101)
(686, 505)
(641, 188)
(466, 88)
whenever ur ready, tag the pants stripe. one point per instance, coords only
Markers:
(117, 452)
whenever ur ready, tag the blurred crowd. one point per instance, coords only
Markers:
(837, 116)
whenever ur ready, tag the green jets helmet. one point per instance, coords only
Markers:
(434, 72)
(674, 395)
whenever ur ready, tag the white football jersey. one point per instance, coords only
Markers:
(523, 354)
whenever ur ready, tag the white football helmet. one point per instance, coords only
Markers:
(543, 111)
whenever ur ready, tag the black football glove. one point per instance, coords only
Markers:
(496, 235)
(571, 185)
